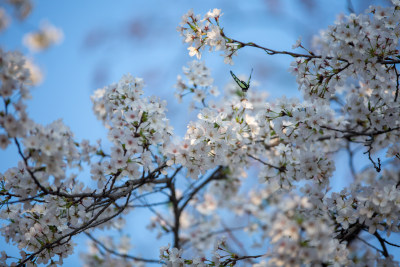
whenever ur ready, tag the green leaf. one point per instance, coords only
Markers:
(53, 228)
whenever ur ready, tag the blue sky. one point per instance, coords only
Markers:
(104, 40)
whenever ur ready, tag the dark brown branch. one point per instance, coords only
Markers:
(369, 144)
(391, 244)
(269, 51)
(176, 211)
(351, 162)
(176, 172)
(385, 253)
(397, 83)
(276, 52)
(350, 234)
(126, 188)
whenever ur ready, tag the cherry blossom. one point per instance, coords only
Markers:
(250, 181)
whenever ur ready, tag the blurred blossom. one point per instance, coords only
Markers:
(36, 74)
(4, 19)
(22, 7)
(42, 39)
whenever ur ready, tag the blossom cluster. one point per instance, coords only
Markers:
(373, 202)
(46, 151)
(297, 139)
(202, 32)
(42, 39)
(137, 128)
(199, 82)
(285, 207)
(14, 121)
(299, 238)
(295, 238)
(355, 46)
(217, 138)
(42, 226)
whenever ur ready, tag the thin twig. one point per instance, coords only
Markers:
(281, 169)
(214, 176)
(368, 244)
(120, 254)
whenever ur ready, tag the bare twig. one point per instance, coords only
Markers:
(368, 244)
(280, 169)
(120, 254)
(214, 176)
